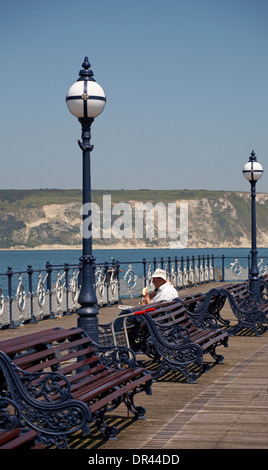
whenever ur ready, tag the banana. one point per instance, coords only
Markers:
(144, 291)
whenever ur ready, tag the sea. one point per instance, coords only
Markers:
(131, 263)
(19, 260)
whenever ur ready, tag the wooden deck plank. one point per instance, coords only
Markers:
(226, 409)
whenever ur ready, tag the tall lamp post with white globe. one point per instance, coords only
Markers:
(86, 100)
(253, 171)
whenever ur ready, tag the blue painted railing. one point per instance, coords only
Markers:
(33, 295)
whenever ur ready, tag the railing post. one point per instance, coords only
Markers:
(49, 270)
(79, 277)
(106, 268)
(193, 268)
(182, 270)
(144, 272)
(30, 278)
(213, 267)
(66, 271)
(176, 271)
(203, 263)
(117, 266)
(199, 268)
(222, 267)
(169, 267)
(10, 275)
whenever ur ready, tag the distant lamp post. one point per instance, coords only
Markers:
(253, 171)
(86, 100)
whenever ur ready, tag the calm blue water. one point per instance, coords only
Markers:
(19, 260)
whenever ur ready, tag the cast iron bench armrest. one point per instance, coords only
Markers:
(73, 362)
(117, 356)
(40, 397)
(162, 327)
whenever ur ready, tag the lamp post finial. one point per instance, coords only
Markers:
(86, 73)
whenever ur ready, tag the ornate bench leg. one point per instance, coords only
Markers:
(219, 358)
(110, 432)
(167, 367)
(33, 393)
(137, 411)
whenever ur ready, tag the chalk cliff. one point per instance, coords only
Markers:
(51, 219)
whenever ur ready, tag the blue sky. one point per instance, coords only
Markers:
(186, 84)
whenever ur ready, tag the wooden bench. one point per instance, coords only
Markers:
(100, 379)
(12, 435)
(20, 439)
(252, 314)
(206, 303)
(165, 332)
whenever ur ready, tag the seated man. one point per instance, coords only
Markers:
(164, 290)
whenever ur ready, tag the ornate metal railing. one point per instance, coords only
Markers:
(33, 295)
(187, 271)
(183, 272)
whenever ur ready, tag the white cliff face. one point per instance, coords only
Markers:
(220, 220)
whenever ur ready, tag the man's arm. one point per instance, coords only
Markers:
(149, 296)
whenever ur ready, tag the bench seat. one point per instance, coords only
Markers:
(20, 439)
(165, 332)
(103, 383)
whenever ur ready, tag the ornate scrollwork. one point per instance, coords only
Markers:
(100, 283)
(177, 334)
(130, 279)
(73, 286)
(21, 295)
(191, 276)
(198, 314)
(47, 386)
(113, 283)
(211, 271)
(2, 301)
(175, 351)
(41, 291)
(8, 419)
(179, 278)
(117, 357)
(262, 267)
(247, 312)
(53, 419)
(236, 269)
(59, 288)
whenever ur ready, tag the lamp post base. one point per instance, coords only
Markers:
(255, 288)
(88, 321)
(88, 312)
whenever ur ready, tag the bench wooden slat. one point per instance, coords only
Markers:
(102, 386)
(170, 315)
(7, 436)
(55, 361)
(112, 396)
(71, 353)
(53, 335)
(29, 358)
(20, 440)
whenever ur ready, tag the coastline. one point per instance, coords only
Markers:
(119, 246)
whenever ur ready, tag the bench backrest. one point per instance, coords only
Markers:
(54, 350)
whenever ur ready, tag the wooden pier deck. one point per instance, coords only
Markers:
(226, 409)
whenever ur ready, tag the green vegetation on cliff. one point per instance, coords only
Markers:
(49, 217)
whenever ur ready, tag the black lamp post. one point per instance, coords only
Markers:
(86, 100)
(253, 172)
